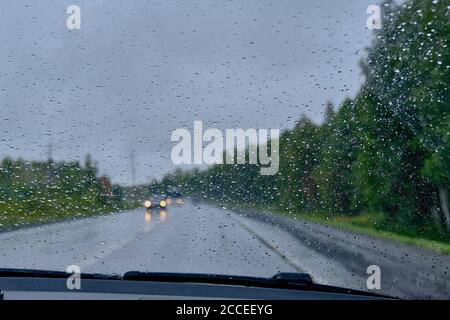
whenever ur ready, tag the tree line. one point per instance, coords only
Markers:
(49, 189)
(387, 150)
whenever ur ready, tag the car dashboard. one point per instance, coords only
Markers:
(30, 288)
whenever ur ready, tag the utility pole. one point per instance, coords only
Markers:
(50, 152)
(133, 167)
(49, 178)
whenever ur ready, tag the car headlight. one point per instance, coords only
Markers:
(162, 203)
(147, 204)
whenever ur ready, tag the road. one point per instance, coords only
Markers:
(202, 238)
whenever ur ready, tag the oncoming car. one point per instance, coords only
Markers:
(157, 203)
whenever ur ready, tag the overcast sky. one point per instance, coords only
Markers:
(137, 70)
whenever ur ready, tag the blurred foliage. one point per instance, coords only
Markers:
(386, 151)
(44, 191)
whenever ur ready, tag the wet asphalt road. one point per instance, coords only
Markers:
(200, 238)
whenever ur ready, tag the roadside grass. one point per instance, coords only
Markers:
(377, 225)
(372, 224)
(16, 216)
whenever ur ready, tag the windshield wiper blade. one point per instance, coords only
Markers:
(282, 280)
(279, 280)
(293, 277)
(6, 272)
(32, 273)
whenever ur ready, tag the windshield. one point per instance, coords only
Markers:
(229, 137)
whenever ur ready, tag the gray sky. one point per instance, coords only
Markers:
(137, 70)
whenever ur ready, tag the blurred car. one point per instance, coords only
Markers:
(174, 194)
(157, 202)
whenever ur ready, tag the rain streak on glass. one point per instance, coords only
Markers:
(135, 136)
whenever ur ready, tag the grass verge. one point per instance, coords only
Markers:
(14, 219)
(376, 225)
